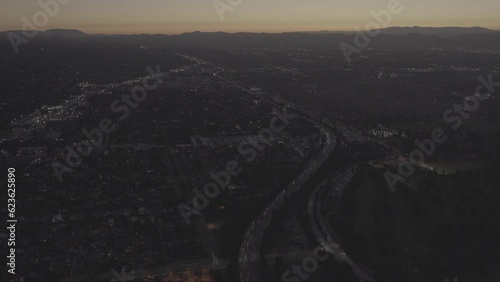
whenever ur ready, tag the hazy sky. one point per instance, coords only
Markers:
(177, 16)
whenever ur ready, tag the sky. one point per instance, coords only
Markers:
(179, 16)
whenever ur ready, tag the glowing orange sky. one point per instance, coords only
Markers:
(178, 16)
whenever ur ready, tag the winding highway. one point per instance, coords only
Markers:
(249, 255)
(325, 236)
(324, 233)
(249, 258)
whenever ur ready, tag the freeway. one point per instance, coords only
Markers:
(324, 233)
(325, 236)
(249, 259)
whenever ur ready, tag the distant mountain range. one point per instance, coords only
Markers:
(435, 31)
(62, 33)
(393, 37)
(439, 31)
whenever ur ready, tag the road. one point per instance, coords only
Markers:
(325, 236)
(249, 259)
(323, 231)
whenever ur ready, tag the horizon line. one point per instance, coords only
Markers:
(236, 32)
